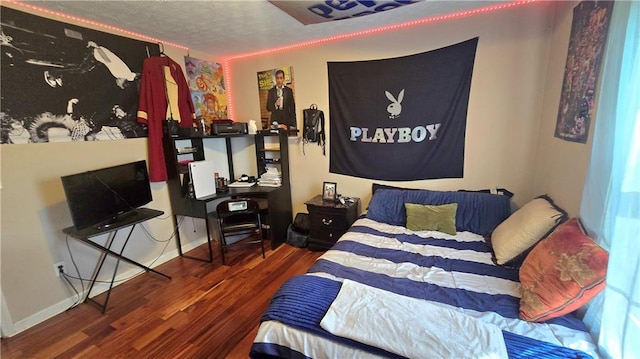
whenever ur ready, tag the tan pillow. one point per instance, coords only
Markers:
(441, 218)
(524, 228)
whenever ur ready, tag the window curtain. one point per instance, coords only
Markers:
(610, 207)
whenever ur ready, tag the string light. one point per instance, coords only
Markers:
(94, 23)
(380, 29)
(226, 70)
(226, 61)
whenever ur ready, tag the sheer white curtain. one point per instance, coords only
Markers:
(611, 199)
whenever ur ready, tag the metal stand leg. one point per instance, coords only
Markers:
(178, 242)
(107, 250)
(103, 256)
(210, 259)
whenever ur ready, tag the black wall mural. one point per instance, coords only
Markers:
(62, 82)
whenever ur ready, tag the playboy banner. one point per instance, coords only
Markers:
(403, 118)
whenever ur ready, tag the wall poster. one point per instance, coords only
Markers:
(401, 118)
(267, 81)
(206, 82)
(61, 82)
(586, 45)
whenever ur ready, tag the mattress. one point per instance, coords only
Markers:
(455, 273)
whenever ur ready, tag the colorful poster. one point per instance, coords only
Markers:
(401, 119)
(267, 82)
(61, 82)
(586, 45)
(206, 82)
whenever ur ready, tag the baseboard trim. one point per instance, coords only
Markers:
(9, 330)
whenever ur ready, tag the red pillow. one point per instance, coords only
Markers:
(562, 272)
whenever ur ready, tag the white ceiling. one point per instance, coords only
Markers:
(237, 27)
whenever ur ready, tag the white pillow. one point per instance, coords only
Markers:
(524, 228)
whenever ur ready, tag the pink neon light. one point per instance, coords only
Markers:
(383, 29)
(95, 23)
(227, 60)
(226, 70)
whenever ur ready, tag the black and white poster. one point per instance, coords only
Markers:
(62, 82)
(402, 118)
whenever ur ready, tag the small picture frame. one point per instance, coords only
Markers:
(329, 191)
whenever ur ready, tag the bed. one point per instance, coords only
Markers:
(384, 290)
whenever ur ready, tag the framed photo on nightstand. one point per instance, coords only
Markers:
(329, 191)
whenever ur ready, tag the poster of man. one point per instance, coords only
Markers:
(277, 98)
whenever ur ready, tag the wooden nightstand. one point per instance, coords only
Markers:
(329, 220)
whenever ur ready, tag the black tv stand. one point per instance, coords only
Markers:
(84, 235)
(106, 226)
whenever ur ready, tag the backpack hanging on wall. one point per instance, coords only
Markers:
(313, 130)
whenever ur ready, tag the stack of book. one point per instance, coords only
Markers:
(271, 178)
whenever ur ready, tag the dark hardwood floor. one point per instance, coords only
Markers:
(206, 311)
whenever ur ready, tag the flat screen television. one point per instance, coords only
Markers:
(101, 197)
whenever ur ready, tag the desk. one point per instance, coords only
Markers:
(83, 235)
(279, 211)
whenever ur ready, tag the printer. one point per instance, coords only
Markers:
(228, 127)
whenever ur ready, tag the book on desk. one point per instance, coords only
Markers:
(240, 184)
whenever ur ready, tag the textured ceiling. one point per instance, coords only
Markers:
(237, 27)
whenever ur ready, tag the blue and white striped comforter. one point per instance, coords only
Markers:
(454, 272)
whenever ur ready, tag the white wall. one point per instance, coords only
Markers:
(509, 143)
(34, 212)
(561, 166)
(505, 106)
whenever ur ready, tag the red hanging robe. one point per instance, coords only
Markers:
(162, 82)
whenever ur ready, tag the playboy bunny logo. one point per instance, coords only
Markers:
(394, 107)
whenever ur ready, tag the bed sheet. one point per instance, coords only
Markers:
(454, 272)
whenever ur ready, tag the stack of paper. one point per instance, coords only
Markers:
(271, 178)
(241, 184)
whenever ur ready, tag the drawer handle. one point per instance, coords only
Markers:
(327, 222)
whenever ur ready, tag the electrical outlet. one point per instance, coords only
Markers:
(57, 269)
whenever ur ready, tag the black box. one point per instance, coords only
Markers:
(240, 128)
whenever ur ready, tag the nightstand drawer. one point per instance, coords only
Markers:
(327, 221)
(326, 234)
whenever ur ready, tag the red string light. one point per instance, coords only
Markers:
(383, 29)
(226, 70)
(94, 23)
(227, 59)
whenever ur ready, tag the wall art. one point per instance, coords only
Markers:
(61, 82)
(586, 45)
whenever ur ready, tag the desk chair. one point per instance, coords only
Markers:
(239, 216)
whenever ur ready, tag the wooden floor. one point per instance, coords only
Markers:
(205, 311)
